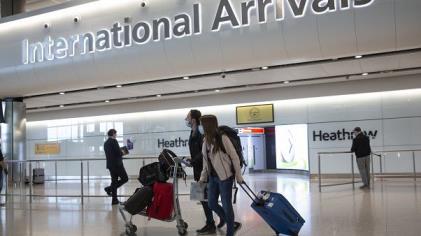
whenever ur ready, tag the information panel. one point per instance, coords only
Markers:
(47, 149)
(255, 114)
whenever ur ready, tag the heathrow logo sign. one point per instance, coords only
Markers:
(236, 14)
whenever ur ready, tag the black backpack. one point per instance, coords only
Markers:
(151, 173)
(232, 134)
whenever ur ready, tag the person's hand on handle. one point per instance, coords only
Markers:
(241, 181)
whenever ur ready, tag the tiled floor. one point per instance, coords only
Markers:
(391, 207)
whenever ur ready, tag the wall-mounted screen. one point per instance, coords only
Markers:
(292, 147)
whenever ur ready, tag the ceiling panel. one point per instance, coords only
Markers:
(377, 19)
(304, 74)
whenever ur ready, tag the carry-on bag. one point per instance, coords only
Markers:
(38, 176)
(152, 173)
(162, 204)
(275, 209)
(166, 159)
(141, 198)
(198, 192)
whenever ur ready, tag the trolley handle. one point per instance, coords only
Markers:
(251, 194)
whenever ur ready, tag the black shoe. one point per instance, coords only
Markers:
(221, 224)
(237, 226)
(108, 190)
(207, 229)
(115, 202)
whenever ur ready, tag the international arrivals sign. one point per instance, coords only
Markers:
(236, 14)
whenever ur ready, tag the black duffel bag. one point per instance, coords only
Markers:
(138, 202)
(152, 173)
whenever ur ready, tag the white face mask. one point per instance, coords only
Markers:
(188, 123)
(201, 129)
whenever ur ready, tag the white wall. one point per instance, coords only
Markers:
(395, 115)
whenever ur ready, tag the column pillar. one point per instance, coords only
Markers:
(13, 135)
(12, 7)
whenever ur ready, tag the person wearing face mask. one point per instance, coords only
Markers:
(220, 168)
(195, 146)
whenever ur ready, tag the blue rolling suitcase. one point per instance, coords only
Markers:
(276, 211)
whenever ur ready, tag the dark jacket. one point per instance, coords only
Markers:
(195, 146)
(113, 154)
(361, 145)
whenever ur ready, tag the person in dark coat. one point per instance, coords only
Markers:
(195, 146)
(115, 165)
(361, 148)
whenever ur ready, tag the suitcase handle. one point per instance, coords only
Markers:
(251, 194)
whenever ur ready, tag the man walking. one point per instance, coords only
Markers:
(362, 149)
(115, 165)
(195, 146)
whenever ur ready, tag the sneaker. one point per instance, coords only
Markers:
(108, 190)
(221, 224)
(115, 202)
(207, 229)
(237, 226)
(364, 186)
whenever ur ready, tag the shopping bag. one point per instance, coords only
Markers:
(198, 192)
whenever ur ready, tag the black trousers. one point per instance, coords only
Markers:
(118, 178)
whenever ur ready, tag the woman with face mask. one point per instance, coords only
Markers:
(220, 168)
(195, 146)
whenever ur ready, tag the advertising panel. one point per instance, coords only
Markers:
(292, 147)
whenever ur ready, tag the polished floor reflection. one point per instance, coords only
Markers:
(391, 207)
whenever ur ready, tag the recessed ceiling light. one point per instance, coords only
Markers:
(61, 105)
(186, 77)
(364, 74)
(358, 57)
(119, 86)
(158, 95)
(217, 90)
(286, 82)
(61, 93)
(265, 68)
(107, 101)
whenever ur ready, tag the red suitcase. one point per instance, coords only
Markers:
(162, 204)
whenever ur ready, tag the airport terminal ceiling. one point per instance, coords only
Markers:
(118, 50)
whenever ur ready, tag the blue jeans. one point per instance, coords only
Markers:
(217, 187)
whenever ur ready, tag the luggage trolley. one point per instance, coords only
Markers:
(176, 215)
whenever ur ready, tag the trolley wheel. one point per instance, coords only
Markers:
(182, 231)
(131, 229)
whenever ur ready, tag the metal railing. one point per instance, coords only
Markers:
(22, 164)
(380, 154)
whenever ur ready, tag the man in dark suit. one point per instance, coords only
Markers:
(115, 165)
(362, 149)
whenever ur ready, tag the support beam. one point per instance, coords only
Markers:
(12, 7)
